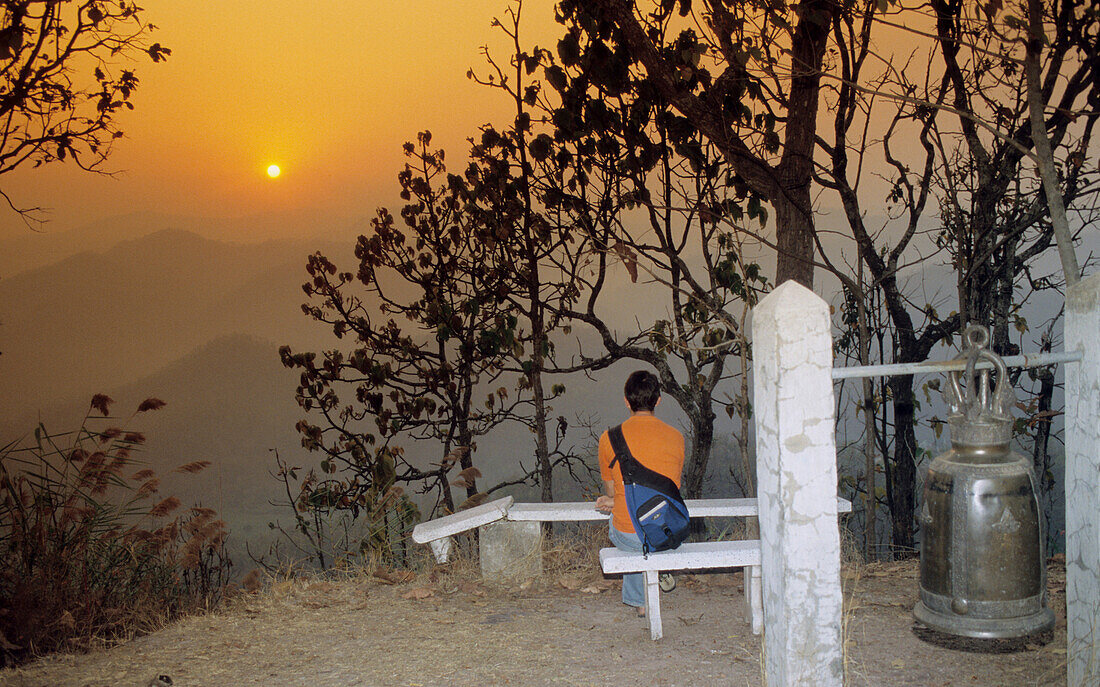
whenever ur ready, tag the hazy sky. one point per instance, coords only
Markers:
(328, 91)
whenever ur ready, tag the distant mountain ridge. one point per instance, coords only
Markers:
(29, 249)
(230, 402)
(101, 319)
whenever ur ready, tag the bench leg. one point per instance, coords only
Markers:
(441, 548)
(754, 598)
(653, 603)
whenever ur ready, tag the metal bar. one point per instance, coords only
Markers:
(927, 367)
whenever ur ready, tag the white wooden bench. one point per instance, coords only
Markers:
(437, 533)
(691, 556)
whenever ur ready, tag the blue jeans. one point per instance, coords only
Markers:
(633, 583)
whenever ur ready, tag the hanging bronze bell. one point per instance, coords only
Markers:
(982, 571)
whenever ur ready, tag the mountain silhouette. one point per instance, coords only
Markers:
(98, 320)
(231, 402)
(25, 250)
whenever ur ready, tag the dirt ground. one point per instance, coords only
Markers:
(561, 630)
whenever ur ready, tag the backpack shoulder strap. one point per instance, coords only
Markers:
(622, 452)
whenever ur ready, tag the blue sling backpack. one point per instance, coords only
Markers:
(656, 508)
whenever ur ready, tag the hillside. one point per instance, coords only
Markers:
(97, 320)
(23, 249)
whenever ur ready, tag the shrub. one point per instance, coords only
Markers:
(88, 549)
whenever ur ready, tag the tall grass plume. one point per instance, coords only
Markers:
(89, 549)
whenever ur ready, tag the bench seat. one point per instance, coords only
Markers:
(438, 532)
(691, 556)
(562, 511)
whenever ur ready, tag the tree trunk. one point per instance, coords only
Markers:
(904, 472)
(794, 235)
(868, 420)
(702, 429)
(1040, 452)
(1043, 156)
(542, 444)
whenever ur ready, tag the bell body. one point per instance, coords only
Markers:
(981, 566)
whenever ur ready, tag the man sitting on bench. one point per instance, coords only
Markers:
(656, 445)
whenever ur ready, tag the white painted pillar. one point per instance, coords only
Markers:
(796, 487)
(1083, 483)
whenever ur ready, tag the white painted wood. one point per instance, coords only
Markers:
(560, 511)
(438, 532)
(441, 548)
(653, 603)
(461, 521)
(1083, 484)
(734, 508)
(793, 405)
(565, 511)
(754, 598)
(691, 556)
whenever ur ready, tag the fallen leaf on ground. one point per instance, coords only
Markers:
(394, 576)
(570, 583)
(591, 589)
(418, 593)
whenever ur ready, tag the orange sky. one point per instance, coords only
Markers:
(329, 91)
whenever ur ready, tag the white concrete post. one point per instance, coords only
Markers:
(796, 487)
(1083, 483)
(510, 551)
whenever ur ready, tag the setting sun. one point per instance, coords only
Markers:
(274, 171)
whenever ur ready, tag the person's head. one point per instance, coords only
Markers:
(642, 391)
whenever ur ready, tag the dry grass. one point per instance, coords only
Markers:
(88, 552)
(443, 625)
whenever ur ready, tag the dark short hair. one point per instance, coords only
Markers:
(642, 390)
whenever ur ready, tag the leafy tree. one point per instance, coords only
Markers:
(1020, 172)
(414, 374)
(747, 75)
(590, 175)
(653, 194)
(996, 216)
(62, 79)
(753, 79)
(532, 258)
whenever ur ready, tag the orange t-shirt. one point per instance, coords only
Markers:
(656, 445)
